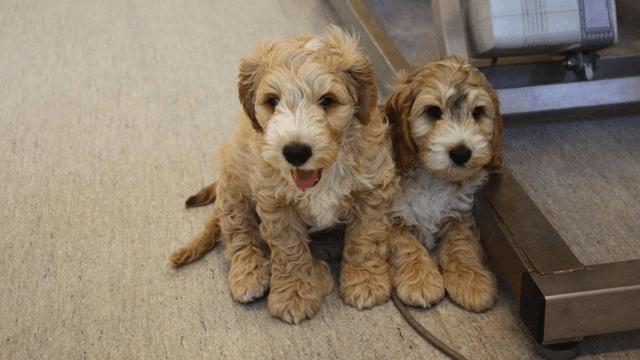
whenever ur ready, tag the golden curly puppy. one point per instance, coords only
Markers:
(446, 140)
(312, 151)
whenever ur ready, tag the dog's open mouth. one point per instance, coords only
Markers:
(306, 179)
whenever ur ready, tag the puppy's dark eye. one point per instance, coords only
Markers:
(434, 112)
(477, 113)
(326, 101)
(273, 101)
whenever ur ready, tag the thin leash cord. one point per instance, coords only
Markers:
(424, 332)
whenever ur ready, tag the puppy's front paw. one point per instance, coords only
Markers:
(365, 287)
(472, 286)
(418, 282)
(249, 278)
(296, 297)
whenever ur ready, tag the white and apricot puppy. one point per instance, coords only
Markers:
(447, 139)
(312, 151)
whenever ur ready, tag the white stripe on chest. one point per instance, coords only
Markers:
(323, 205)
(427, 201)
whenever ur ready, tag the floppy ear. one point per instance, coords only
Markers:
(250, 72)
(397, 109)
(363, 80)
(359, 70)
(496, 140)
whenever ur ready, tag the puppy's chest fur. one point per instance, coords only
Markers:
(427, 202)
(324, 205)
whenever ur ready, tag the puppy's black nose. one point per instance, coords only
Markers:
(460, 155)
(296, 153)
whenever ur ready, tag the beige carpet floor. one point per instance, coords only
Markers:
(111, 112)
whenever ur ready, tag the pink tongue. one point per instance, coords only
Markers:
(305, 179)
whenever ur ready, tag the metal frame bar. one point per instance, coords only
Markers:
(598, 299)
(449, 22)
(386, 58)
(559, 298)
(571, 100)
